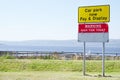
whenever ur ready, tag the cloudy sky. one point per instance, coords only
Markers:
(49, 19)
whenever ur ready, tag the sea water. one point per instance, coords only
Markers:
(59, 48)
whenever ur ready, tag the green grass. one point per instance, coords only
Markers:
(17, 65)
(50, 75)
(36, 69)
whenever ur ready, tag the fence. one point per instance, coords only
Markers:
(59, 55)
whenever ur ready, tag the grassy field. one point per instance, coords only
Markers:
(17, 65)
(36, 69)
(50, 75)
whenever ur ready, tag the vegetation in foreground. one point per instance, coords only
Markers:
(36, 69)
(18, 65)
(50, 75)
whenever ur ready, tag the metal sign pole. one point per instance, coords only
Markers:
(103, 60)
(84, 57)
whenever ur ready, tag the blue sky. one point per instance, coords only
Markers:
(49, 19)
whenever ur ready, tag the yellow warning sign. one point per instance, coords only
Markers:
(99, 13)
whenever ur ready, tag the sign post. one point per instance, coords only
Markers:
(103, 60)
(93, 33)
(84, 58)
(94, 28)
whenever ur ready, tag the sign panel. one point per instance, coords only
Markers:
(93, 33)
(93, 28)
(88, 14)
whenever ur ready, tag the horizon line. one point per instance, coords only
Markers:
(43, 40)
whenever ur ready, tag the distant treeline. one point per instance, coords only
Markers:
(55, 55)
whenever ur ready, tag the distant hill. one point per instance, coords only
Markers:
(111, 43)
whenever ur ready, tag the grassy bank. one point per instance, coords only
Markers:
(15, 65)
(50, 75)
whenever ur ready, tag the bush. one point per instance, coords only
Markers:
(7, 57)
